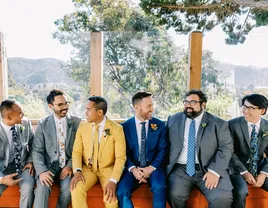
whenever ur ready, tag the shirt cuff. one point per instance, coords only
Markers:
(244, 172)
(77, 169)
(264, 173)
(212, 171)
(113, 180)
(129, 170)
(153, 167)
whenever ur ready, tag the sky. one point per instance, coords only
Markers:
(28, 26)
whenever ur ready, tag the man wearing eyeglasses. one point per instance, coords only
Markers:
(52, 151)
(200, 150)
(250, 136)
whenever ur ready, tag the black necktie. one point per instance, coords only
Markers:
(16, 141)
(143, 148)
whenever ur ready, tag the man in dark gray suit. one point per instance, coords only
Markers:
(250, 136)
(200, 150)
(16, 166)
(52, 151)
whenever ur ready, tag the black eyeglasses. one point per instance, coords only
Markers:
(191, 102)
(249, 108)
(60, 105)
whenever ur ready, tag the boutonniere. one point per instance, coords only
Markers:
(264, 133)
(154, 126)
(70, 124)
(22, 129)
(106, 132)
(204, 125)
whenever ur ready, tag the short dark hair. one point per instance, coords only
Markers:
(202, 96)
(257, 100)
(6, 105)
(139, 96)
(100, 103)
(53, 93)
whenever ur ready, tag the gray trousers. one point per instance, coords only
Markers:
(180, 185)
(42, 192)
(26, 186)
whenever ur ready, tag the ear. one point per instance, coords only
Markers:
(203, 105)
(262, 111)
(50, 106)
(100, 112)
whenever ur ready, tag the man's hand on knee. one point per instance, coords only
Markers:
(9, 181)
(78, 176)
(110, 192)
(46, 178)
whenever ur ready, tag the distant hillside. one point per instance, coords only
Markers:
(33, 72)
(245, 75)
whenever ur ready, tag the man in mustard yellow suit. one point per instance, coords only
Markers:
(99, 153)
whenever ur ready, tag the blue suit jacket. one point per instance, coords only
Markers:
(156, 143)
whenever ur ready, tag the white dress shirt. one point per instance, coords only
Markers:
(8, 132)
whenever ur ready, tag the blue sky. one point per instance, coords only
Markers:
(28, 26)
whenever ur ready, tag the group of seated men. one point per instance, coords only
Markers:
(193, 149)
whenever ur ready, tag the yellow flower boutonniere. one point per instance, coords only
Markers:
(204, 125)
(22, 129)
(264, 133)
(154, 126)
(106, 132)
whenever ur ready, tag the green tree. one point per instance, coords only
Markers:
(236, 17)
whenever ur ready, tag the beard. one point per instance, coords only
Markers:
(193, 114)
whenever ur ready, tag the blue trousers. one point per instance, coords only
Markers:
(128, 184)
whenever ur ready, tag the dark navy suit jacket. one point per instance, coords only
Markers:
(156, 143)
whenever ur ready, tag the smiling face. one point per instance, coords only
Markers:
(92, 114)
(59, 106)
(192, 106)
(251, 112)
(15, 115)
(144, 108)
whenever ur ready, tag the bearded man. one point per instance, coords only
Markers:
(200, 150)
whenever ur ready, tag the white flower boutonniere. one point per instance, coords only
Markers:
(264, 133)
(22, 129)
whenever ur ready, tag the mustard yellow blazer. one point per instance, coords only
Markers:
(112, 149)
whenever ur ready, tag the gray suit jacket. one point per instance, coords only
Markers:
(214, 145)
(26, 136)
(240, 134)
(45, 145)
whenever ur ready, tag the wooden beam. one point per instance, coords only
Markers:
(3, 69)
(195, 60)
(96, 64)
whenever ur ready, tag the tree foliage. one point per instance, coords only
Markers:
(236, 17)
(138, 54)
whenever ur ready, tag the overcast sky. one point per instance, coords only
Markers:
(28, 26)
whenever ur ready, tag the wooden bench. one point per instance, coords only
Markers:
(142, 198)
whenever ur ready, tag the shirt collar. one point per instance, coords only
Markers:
(258, 124)
(59, 119)
(6, 127)
(137, 121)
(102, 123)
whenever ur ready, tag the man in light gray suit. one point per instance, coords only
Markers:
(52, 151)
(250, 136)
(16, 166)
(200, 150)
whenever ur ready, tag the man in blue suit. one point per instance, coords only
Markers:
(146, 150)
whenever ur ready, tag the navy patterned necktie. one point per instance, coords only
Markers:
(190, 166)
(16, 144)
(253, 160)
(143, 146)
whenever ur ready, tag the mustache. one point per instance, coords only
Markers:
(189, 108)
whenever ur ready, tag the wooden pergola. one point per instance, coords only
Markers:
(96, 64)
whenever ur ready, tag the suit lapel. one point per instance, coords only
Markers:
(3, 135)
(103, 137)
(52, 129)
(133, 135)
(69, 128)
(149, 134)
(244, 127)
(263, 127)
(202, 126)
(181, 129)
